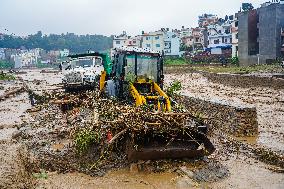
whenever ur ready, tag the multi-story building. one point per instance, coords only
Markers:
(120, 41)
(235, 34)
(153, 40)
(198, 38)
(172, 44)
(64, 53)
(162, 41)
(25, 60)
(219, 34)
(260, 34)
(2, 53)
(207, 19)
(125, 40)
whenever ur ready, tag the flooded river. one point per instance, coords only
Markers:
(244, 172)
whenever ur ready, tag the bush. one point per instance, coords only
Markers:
(6, 65)
(85, 138)
(174, 87)
(8, 77)
(235, 61)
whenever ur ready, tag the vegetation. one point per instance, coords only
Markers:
(6, 65)
(85, 138)
(9, 77)
(174, 87)
(235, 61)
(75, 43)
(41, 65)
(175, 61)
(41, 175)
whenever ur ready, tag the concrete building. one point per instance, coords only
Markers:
(219, 34)
(153, 40)
(235, 34)
(198, 38)
(120, 41)
(64, 53)
(162, 40)
(25, 60)
(125, 40)
(260, 34)
(2, 53)
(171, 44)
(207, 19)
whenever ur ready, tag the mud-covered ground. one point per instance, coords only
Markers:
(269, 104)
(228, 167)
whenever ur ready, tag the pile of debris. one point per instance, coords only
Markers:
(86, 132)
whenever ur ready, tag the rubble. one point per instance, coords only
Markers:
(96, 129)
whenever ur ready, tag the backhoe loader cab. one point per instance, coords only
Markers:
(139, 72)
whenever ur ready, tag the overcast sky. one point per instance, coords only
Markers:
(108, 17)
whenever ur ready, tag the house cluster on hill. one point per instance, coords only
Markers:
(253, 35)
(29, 58)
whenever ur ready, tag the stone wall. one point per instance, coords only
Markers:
(236, 121)
(245, 81)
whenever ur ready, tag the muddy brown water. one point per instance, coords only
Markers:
(244, 172)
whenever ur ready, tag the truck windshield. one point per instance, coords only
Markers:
(83, 62)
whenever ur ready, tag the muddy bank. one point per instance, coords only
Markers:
(235, 120)
(247, 81)
(14, 166)
(267, 101)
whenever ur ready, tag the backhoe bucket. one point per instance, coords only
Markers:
(165, 146)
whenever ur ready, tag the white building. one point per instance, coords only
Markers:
(235, 33)
(219, 34)
(25, 60)
(162, 40)
(2, 54)
(64, 53)
(171, 44)
(120, 41)
(124, 40)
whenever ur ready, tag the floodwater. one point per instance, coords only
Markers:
(244, 172)
(269, 104)
(121, 179)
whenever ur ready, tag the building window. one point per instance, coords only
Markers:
(134, 42)
(157, 37)
(173, 36)
(236, 24)
(117, 42)
(237, 36)
(148, 45)
(147, 38)
(158, 45)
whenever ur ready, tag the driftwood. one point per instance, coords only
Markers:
(117, 136)
(12, 92)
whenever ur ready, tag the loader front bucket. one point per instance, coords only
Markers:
(165, 146)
